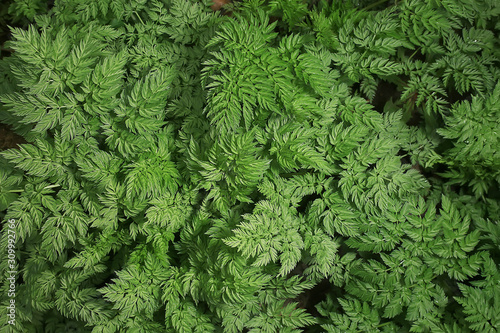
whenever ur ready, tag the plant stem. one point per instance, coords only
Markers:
(374, 5)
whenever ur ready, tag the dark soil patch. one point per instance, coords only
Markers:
(8, 138)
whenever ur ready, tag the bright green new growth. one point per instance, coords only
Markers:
(320, 166)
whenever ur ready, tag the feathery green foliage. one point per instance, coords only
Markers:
(290, 166)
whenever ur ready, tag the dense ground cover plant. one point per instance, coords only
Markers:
(322, 166)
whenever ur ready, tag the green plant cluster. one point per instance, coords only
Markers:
(289, 166)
